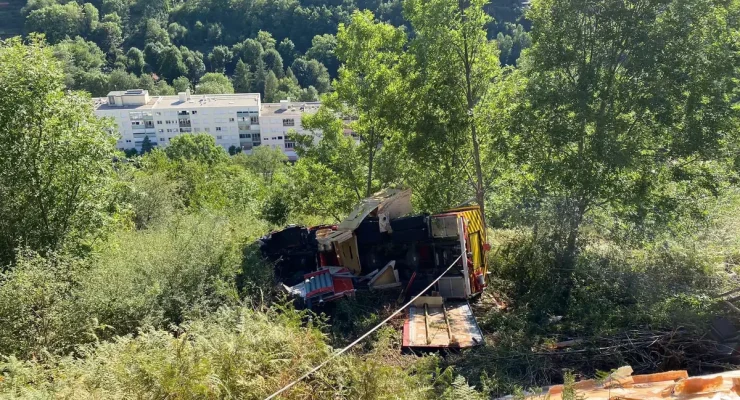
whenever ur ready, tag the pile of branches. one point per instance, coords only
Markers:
(647, 351)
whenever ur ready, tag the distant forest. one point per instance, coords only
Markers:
(279, 48)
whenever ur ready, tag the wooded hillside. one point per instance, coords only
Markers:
(605, 159)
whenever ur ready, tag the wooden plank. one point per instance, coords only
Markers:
(426, 322)
(661, 377)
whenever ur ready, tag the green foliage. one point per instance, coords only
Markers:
(55, 155)
(631, 117)
(39, 312)
(200, 147)
(181, 84)
(214, 83)
(146, 145)
(242, 78)
(265, 161)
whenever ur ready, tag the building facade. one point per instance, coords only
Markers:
(238, 120)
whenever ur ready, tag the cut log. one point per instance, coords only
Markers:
(661, 377)
(698, 385)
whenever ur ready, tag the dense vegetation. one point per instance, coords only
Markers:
(278, 48)
(606, 161)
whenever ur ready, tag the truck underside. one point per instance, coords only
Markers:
(379, 247)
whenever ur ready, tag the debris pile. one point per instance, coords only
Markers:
(622, 385)
(381, 246)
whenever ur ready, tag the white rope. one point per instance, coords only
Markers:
(349, 346)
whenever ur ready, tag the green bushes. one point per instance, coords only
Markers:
(232, 353)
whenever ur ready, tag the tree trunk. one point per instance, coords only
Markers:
(480, 195)
(371, 158)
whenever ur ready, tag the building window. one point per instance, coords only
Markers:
(128, 141)
(280, 138)
(159, 113)
(161, 130)
(231, 119)
(289, 145)
(218, 128)
(244, 136)
(219, 137)
(288, 122)
(207, 129)
(254, 120)
(161, 139)
(195, 112)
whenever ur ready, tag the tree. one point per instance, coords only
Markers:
(135, 61)
(55, 155)
(335, 151)
(154, 33)
(266, 40)
(311, 73)
(193, 61)
(273, 62)
(287, 51)
(258, 85)
(308, 94)
(177, 32)
(214, 83)
(234, 150)
(200, 147)
(57, 21)
(627, 116)
(369, 82)
(323, 50)
(249, 51)
(181, 84)
(242, 78)
(152, 54)
(78, 55)
(265, 161)
(109, 35)
(219, 58)
(170, 63)
(454, 55)
(271, 88)
(146, 145)
(90, 19)
(119, 79)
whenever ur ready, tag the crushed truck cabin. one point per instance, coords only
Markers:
(382, 246)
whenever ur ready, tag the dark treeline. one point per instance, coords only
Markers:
(277, 48)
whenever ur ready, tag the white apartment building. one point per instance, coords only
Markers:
(233, 119)
(277, 119)
(239, 120)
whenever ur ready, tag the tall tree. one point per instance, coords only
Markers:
(55, 155)
(370, 82)
(271, 88)
(146, 145)
(453, 54)
(629, 105)
(219, 58)
(242, 78)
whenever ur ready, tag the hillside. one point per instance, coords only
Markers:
(11, 20)
(603, 166)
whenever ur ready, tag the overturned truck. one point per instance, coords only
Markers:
(381, 246)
